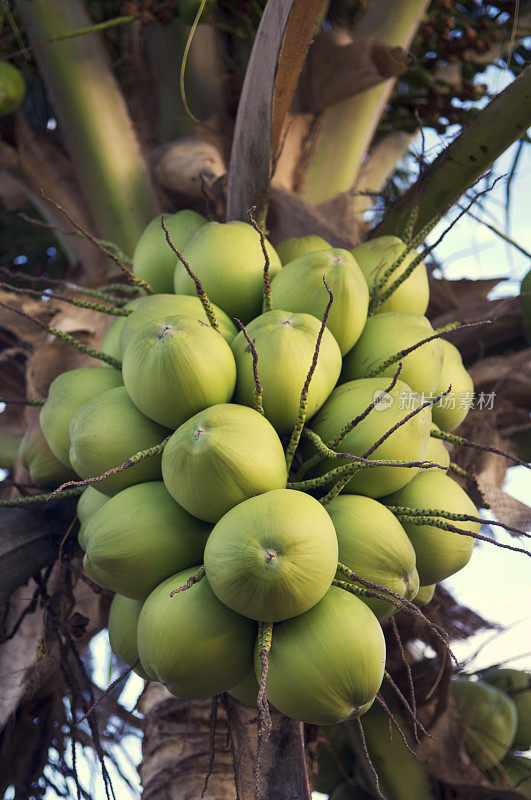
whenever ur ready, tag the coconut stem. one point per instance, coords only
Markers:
(74, 301)
(401, 354)
(348, 470)
(142, 455)
(258, 390)
(205, 302)
(72, 287)
(394, 599)
(303, 402)
(37, 401)
(462, 442)
(110, 253)
(445, 526)
(392, 719)
(439, 512)
(65, 337)
(120, 287)
(264, 640)
(39, 498)
(407, 706)
(346, 429)
(369, 760)
(108, 690)
(195, 578)
(405, 662)
(267, 304)
(212, 742)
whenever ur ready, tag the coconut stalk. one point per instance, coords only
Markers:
(94, 120)
(348, 127)
(501, 123)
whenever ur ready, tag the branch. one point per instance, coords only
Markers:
(493, 130)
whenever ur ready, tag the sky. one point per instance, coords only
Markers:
(496, 582)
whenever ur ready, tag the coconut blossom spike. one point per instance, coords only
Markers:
(205, 302)
(268, 301)
(74, 301)
(438, 512)
(258, 389)
(451, 438)
(445, 526)
(199, 575)
(11, 502)
(303, 404)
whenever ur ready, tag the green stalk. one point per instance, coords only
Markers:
(93, 118)
(493, 130)
(349, 126)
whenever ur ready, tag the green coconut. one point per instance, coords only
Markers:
(437, 451)
(191, 642)
(376, 255)
(374, 545)
(517, 684)
(285, 344)
(273, 556)
(400, 774)
(424, 595)
(153, 259)
(159, 306)
(408, 443)
(326, 665)
(246, 691)
(177, 366)
(450, 411)
(228, 260)
(110, 343)
(297, 246)
(387, 334)
(90, 501)
(490, 719)
(67, 393)
(108, 430)
(440, 553)
(122, 626)
(12, 88)
(299, 287)
(44, 467)
(139, 538)
(220, 457)
(334, 757)
(516, 774)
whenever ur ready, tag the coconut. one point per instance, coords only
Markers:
(335, 758)
(67, 393)
(44, 467)
(516, 773)
(408, 443)
(450, 411)
(108, 430)
(153, 259)
(285, 344)
(159, 306)
(516, 683)
(191, 642)
(177, 366)
(110, 343)
(90, 501)
(374, 545)
(401, 775)
(228, 260)
(246, 691)
(297, 246)
(273, 556)
(299, 287)
(220, 457)
(326, 665)
(139, 538)
(122, 625)
(437, 451)
(424, 595)
(440, 553)
(490, 719)
(376, 255)
(387, 334)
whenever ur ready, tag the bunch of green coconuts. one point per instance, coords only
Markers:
(495, 724)
(246, 520)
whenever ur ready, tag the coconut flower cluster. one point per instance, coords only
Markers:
(268, 476)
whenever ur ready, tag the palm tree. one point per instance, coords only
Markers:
(303, 109)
